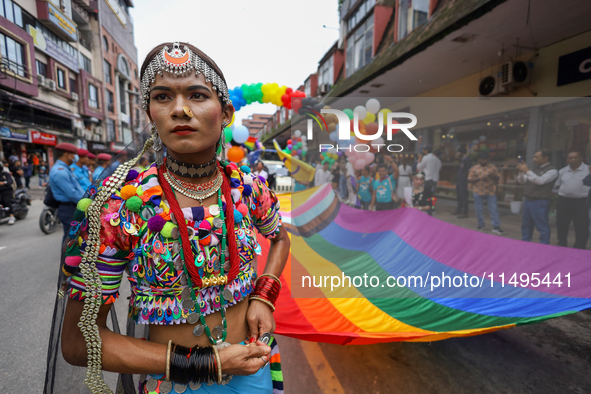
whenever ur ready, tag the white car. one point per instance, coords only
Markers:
(283, 181)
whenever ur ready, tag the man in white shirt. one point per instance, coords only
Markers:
(537, 190)
(430, 165)
(572, 201)
(322, 175)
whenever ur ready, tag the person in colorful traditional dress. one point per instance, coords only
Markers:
(184, 230)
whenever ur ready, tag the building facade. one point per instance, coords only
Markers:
(52, 77)
(482, 49)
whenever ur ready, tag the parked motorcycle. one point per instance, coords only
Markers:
(19, 204)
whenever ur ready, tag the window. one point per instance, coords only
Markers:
(12, 12)
(137, 96)
(122, 96)
(73, 87)
(93, 96)
(53, 37)
(41, 68)
(308, 87)
(85, 63)
(325, 73)
(111, 134)
(360, 46)
(13, 52)
(413, 13)
(122, 65)
(61, 78)
(360, 14)
(105, 44)
(110, 101)
(107, 67)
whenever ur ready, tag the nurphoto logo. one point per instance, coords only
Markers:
(346, 140)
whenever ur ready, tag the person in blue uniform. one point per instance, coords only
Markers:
(64, 185)
(103, 161)
(80, 169)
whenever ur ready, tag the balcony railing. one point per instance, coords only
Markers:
(84, 42)
(80, 11)
(15, 68)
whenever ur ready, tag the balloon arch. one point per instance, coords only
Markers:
(296, 100)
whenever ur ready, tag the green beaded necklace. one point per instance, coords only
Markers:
(220, 343)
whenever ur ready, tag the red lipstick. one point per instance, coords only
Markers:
(183, 130)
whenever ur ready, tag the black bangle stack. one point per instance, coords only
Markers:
(193, 365)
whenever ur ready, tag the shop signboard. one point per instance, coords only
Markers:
(38, 137)
(51, 48)
(13, 134)
(116, 147)
(116, 8)
(60, 20)
(574, 67)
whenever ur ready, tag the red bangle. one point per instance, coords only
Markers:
(267, 288)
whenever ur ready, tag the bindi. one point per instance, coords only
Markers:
(178, 88)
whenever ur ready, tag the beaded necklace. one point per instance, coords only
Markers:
(191, 265)
(199, 187)
(195, 195)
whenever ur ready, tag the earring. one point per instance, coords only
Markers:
(158, 145)
(221, 151)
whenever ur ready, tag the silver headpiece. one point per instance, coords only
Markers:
(180, 62)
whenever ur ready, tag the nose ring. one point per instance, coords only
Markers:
(188, 111)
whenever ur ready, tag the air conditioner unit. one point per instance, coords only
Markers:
(74, 96)
(323, 88)
(50, 85)
(514, 74)
(98, 130)
(491, 86)
(41, 80)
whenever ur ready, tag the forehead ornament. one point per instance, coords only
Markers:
(180, 62)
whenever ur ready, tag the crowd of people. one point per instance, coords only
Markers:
(407, 180)
(390, 182)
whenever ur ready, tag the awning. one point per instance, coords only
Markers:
(44, 107)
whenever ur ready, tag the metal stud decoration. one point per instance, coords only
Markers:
(180, 62)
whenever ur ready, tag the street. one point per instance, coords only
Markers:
(551, 357)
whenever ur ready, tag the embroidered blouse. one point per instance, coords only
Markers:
(140, 235)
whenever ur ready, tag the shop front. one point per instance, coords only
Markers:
(14, 142)
(508, 136)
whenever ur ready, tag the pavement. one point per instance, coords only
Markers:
(510, 222)
(549, 357)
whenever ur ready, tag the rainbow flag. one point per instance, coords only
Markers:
(332, 239)
(300, 170)
(250, 143)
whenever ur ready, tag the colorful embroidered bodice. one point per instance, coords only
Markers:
(139, 235)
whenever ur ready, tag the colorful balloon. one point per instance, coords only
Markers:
(240, 134)
(372, 105)
(235, 154)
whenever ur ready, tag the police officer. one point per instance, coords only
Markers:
(80, 169)
(63, 183)
(103, 160)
